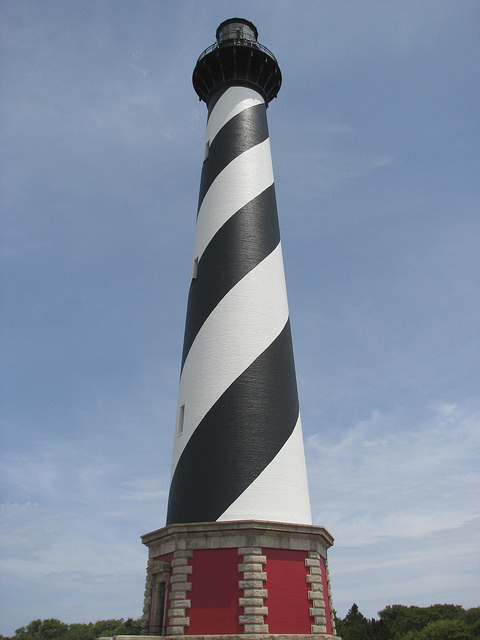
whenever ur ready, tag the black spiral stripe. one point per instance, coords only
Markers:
(241, 133)
(238, 438)
(243, 241)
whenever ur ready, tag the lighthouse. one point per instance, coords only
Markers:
(239, 554)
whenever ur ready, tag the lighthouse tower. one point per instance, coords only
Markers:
(238, 554)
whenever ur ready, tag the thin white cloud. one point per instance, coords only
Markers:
(146, 488)
(402, 498)
(399, 475)
(436, 568)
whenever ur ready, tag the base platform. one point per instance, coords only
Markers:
(226, 580)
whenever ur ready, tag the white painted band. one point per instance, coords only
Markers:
(243, 324)
(233, 101)
(243, 179)
(280, 492)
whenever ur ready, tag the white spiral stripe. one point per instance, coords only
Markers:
(242, 180)
(243, 324)
(233, 101)
(280, 492)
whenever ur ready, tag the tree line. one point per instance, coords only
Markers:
(54, 629)
(398, 622)
(395, 622)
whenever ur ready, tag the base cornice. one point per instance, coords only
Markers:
(238, 527)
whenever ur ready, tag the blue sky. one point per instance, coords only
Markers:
(375, 148)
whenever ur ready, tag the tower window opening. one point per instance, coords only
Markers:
(195, 270)
(181, 419)
(207, 150)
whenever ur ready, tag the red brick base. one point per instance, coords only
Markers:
(227, 579)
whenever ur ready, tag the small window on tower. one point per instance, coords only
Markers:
(207, 149)
(194, 269)
(181, 418)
